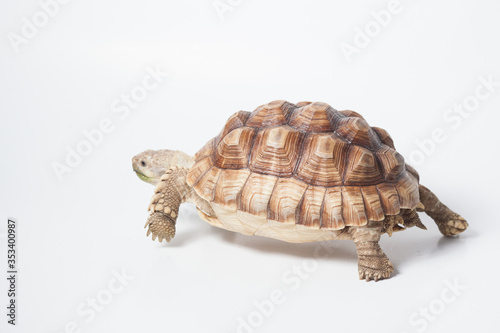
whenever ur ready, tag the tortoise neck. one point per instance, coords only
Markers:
(181, 159)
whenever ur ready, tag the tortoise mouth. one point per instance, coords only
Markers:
(142, 176)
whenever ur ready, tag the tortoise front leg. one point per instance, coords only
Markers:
(170, 193)
(448, 222)
(373, 263)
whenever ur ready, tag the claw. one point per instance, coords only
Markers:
(420, 225)
(389, 230)
(398, 227)
(458, 224)
(399, 219)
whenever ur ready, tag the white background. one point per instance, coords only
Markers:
(74, 233)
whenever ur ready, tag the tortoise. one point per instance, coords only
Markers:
(299, 173)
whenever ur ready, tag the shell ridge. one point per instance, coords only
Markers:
(346, 164)
(290, 112)
(397, 191)
(238, 196)
(321, 211)
(269, 201)
(380, 166)
(342, 205)
(246, 114)
(301, 155)
(256, 132)
(298, 220)
(365, 207)
(215, 184)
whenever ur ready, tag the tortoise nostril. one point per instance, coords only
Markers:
(143, 163)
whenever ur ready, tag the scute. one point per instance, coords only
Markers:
(207, 183)
(392, 162)
(237, 120)
(234, 149)
(384, 136)
(350, 113)
(305, 164)
(323, 160)
(314, 117)
(408, 194)
(207, 150)
(271, 114)
(373, 206)
(353, 207)
(254, 197)
(198, 170)
(356, 130)
(362, 167)
(286, 196)
(309, 211)
(276, 151)
(332, 217)
(389, 198)
(229, 187)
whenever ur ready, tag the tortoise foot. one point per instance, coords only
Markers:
(451, 224)
(373, 264)
(161, 225)
(375, 269)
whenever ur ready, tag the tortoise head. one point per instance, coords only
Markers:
(150, 165)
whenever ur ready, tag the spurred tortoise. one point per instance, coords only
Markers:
(299, 173)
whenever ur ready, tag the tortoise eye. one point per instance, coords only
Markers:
(143, 163)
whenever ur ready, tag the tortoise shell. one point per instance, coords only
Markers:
(305, 164)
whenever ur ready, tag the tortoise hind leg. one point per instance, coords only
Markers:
(373, 263)
(448, 222)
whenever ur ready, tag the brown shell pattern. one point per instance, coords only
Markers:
(306, 164)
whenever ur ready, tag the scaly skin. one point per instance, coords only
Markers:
(168, 169)
(448, 222)
(373, 264)
(170, 193)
